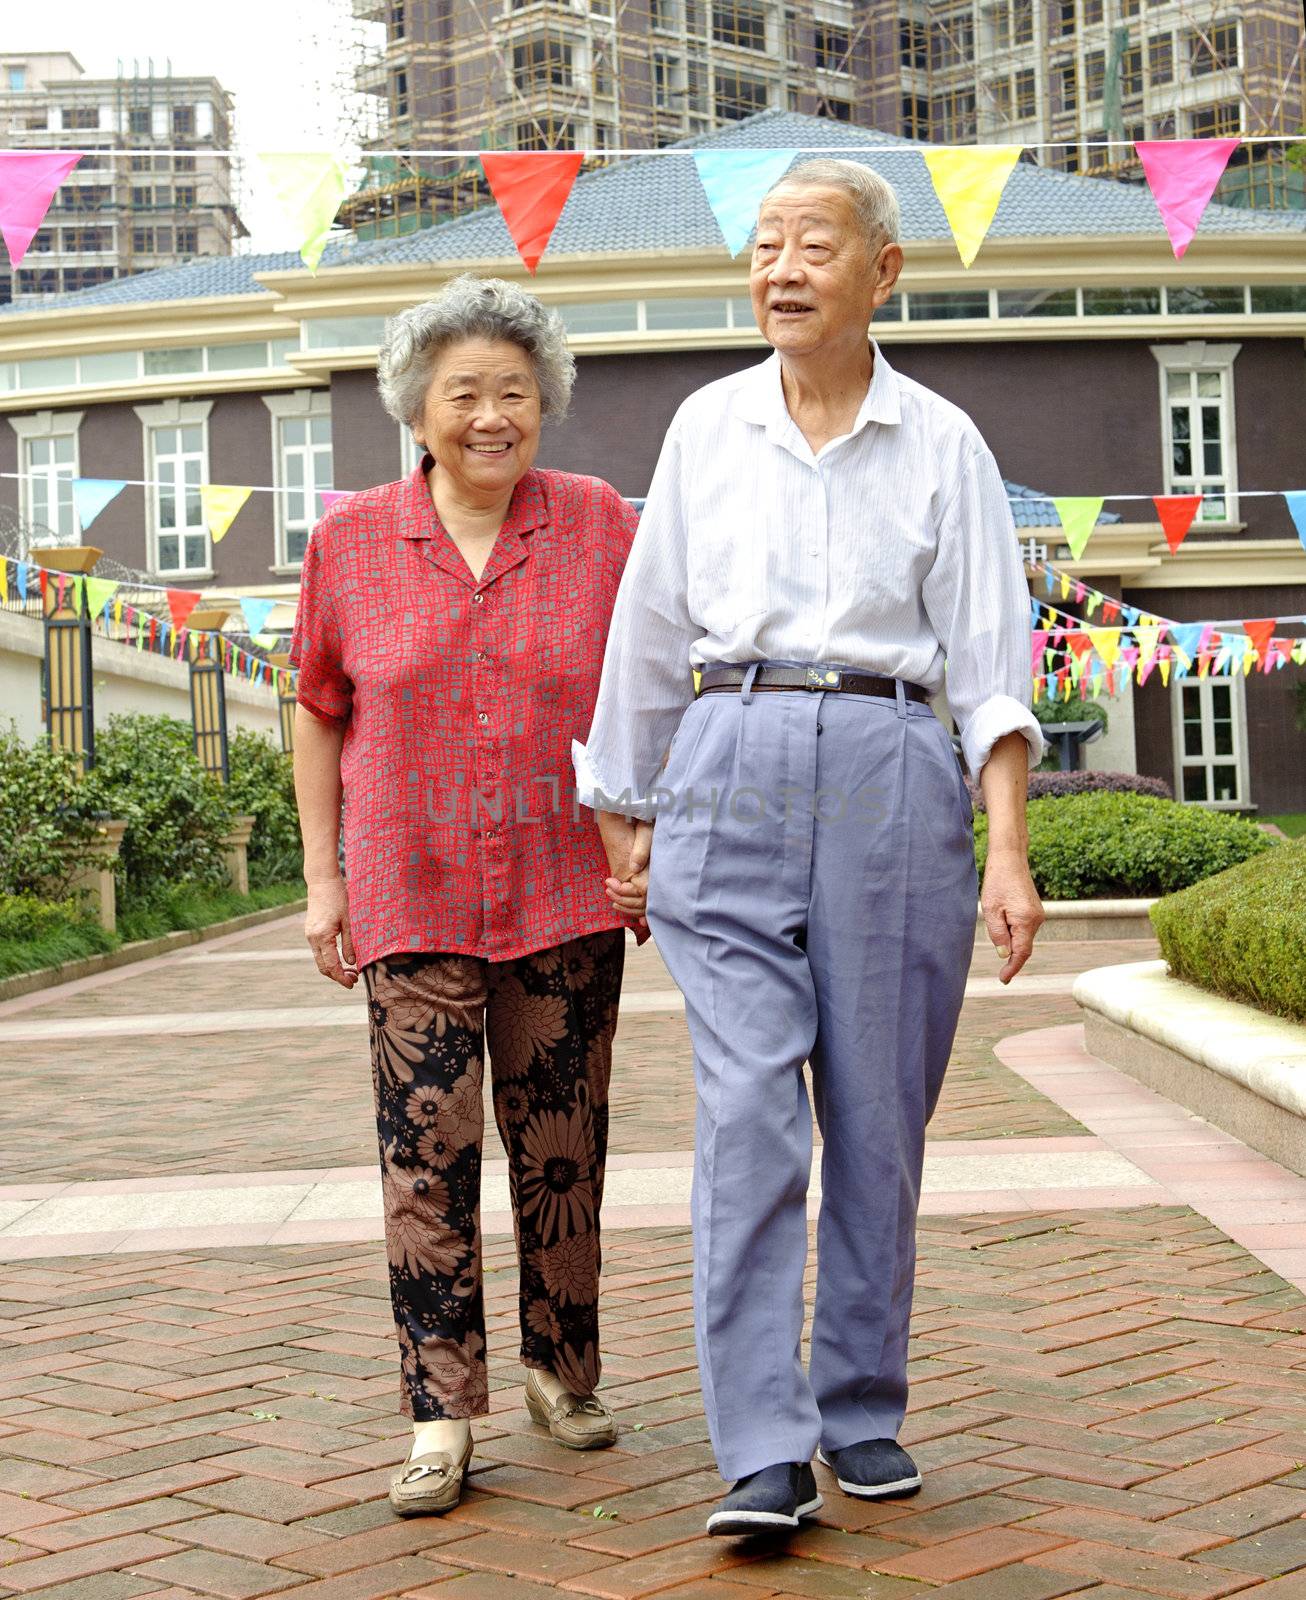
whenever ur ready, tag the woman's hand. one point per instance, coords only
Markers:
(628, 843)
(325, 922)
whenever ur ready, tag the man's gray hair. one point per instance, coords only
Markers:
(472, 308)
(872, 196)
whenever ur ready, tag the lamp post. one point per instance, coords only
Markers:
(69, 693)
(208, 697)
(285, 705)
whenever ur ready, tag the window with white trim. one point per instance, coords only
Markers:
(302, 467)
(176, 464)
(47, 464)
(1197, 417)
(1210, 740)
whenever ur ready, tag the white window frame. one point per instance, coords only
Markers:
(1199, 356)
(1238, 759)
(300, 405)
(173, 414)
(48, 425)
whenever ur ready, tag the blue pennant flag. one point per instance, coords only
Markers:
(1047, 578)
(1131, 615)
(734, 182)
(1186, 636)
(91, 495)
(1296, 499)
(20, 578)
(256, 612)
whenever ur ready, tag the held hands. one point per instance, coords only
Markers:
(325, 921)
(628, 843)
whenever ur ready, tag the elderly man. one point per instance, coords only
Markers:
(820, 535)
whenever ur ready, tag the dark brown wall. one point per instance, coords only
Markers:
(1277, 765)
(365, 442)
(240, 451)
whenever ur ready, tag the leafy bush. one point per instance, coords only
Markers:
(44, 817)
(1099, 846)
(1050, 712)
(262, 786)
(146, 772)
(1044, 784)
(42, 933)
(1241, 933)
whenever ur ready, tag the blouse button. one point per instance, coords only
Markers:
(482, 716)
(477, 598)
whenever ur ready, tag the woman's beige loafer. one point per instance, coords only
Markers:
(428, 1486)
(580, 1421)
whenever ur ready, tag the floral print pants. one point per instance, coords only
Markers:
(549, 1019)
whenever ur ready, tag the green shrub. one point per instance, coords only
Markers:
(1242, 933)
(147, 773)
(193, 906)
(42, 817)
(262, 786)
(38, 933)
(1099, 846)
(1072, 710)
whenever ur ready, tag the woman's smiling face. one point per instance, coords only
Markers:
(481, 416)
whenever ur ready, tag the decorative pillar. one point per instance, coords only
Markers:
(285, 705)
(208, 692)
(94, 876)
(235, 852)
(69, 692)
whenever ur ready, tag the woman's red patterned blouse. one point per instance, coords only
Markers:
(459, 700)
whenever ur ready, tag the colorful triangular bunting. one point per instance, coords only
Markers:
(28, 180)
(1182, 175)
(256, 613)
(969, 182)
(181, 602)
(1079, 514)
(531, 188)
(91, 495)
(1296, 499)
(734, 182)
(1176, 512)
(219, 503)
(309, 186)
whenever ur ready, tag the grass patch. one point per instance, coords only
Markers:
(1293, 823)
(1241, 933)
(192, 907)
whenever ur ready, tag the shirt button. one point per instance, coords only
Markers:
(477, 598)
(482, 716)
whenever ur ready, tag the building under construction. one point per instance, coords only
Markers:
(604, 74)
(154, 187)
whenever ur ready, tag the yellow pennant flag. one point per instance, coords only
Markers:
(1148, 638)
(969, 183)
(1079, 514)
(1106, 641)
(1299, 652)
(1163, 667)
(219, 503)
(309, 186)
(1065, 586)
(4, 580)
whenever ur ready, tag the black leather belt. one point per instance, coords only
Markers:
(829, 680)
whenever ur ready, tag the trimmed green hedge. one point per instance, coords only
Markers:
(1102, 846)
(1242, 933)
(45, 933)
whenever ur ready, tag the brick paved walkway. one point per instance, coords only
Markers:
(1109, 1373)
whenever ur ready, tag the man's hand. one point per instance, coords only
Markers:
(1013, 912)
(628, 843)
(325, 921)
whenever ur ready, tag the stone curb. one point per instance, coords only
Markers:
(1240, 1068)
(141, 950)
(1092, 919)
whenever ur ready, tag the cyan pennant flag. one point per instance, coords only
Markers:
(91, 495)
(734, 182)
(1131, 615)
(1296, 499)
(20, 579)
(256, 613)
(1187, 636)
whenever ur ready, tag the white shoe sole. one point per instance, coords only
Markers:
(877, 1491)
(727, 1522)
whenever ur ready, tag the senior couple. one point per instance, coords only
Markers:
(820, 536)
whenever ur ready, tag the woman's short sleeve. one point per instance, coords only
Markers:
(316, 648)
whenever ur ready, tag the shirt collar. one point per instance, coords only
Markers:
(761, 398)
(527, 510)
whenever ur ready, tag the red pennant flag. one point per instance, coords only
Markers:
(1182, 175)
(1176, 512)
(28, 180)
(531, 188)
(1259, 631)
(181, 602)
(1080, 643)
(1110, 610)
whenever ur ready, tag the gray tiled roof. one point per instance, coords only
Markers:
(657, 203)
(1030, 508)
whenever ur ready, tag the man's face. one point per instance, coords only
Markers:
(814, 280)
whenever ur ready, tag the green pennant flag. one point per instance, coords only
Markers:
(1079, 514)
(99, 591)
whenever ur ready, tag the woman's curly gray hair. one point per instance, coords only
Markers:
(472, 308)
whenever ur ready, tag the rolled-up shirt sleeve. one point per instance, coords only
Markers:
(977, 601)
(324, 687)
(647, 679)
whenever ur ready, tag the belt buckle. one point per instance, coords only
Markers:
(823, 678)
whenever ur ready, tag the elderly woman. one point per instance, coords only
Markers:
(449, 643)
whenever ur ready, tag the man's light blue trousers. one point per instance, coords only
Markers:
(821, 908)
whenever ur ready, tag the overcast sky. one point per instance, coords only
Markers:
(286, 62)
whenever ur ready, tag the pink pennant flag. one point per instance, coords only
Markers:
(1182, 175)
(28, 180)
(328, 497)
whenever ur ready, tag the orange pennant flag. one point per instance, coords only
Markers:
(1259, 631)
(531, 188)
(1176, 512)
(181, 602)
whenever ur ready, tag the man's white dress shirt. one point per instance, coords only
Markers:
(888, 550)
